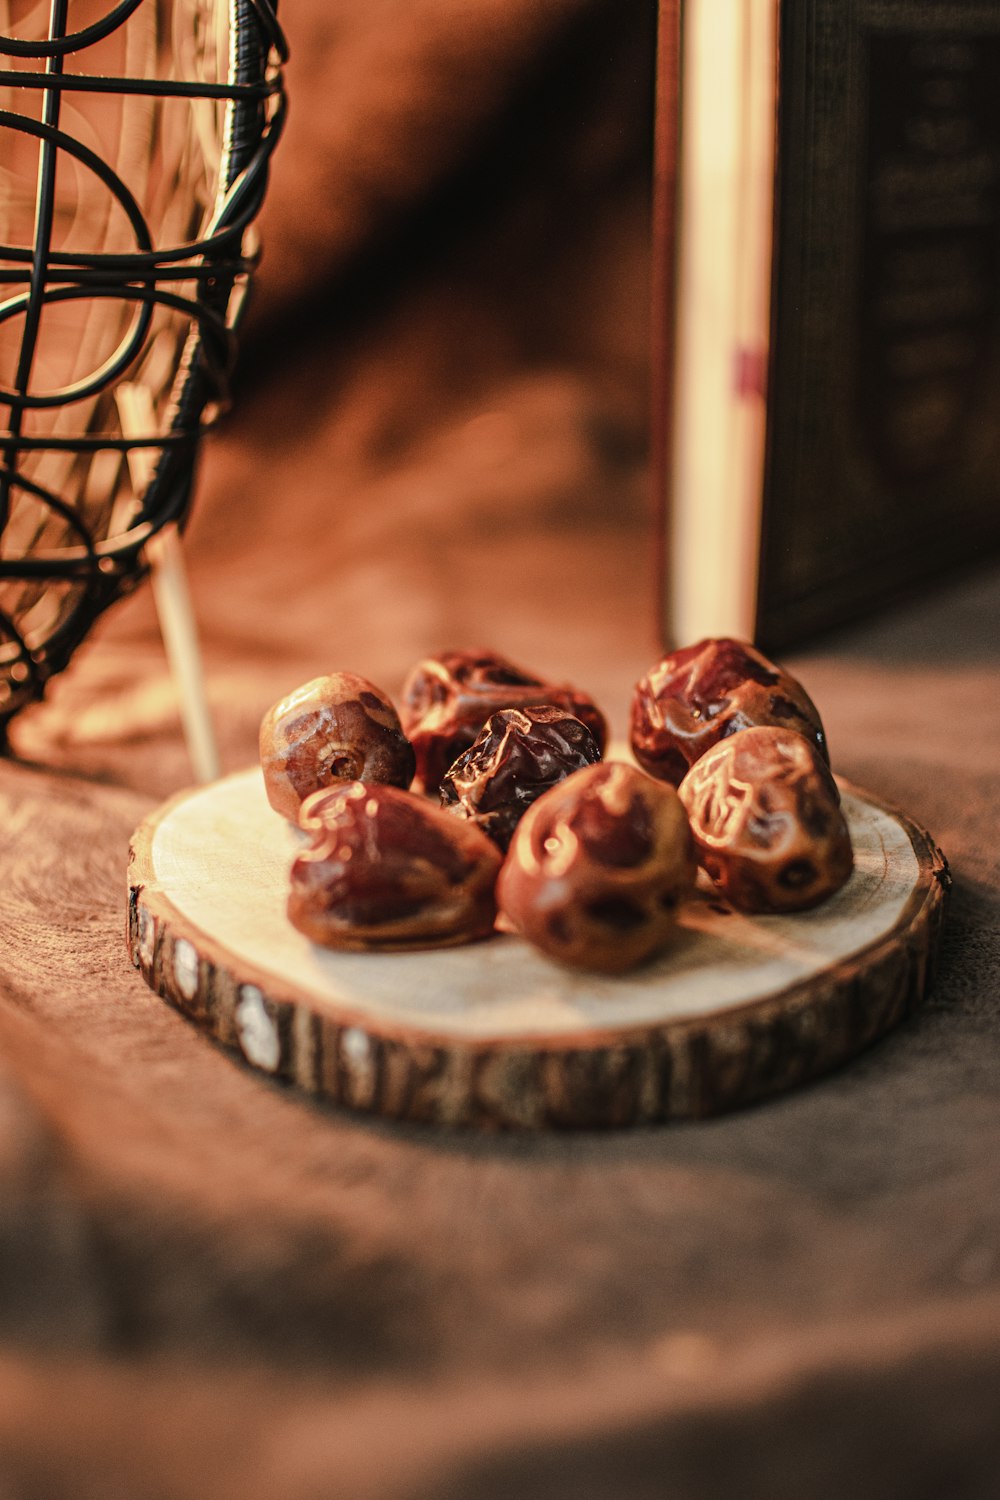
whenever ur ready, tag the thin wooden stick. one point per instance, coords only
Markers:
(168, 577)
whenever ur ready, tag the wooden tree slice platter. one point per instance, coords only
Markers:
(495, 1034)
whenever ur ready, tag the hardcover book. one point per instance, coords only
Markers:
(826, 307)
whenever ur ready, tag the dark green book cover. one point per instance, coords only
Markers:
(883, 425)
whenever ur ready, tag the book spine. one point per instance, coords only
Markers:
(713, 259)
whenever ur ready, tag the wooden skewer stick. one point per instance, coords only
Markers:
(168, 577)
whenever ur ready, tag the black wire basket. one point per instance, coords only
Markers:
(134, 153)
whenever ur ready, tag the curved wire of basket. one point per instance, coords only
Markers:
(193, 116)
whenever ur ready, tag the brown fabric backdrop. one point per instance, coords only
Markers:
(209, 1287)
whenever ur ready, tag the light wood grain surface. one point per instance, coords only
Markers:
(494, 1033)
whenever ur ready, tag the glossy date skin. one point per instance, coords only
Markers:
(387, 870)
(767, 823)
(517, 755)
(337, 728)
(448, 698)
(597, 869)
(697, 696)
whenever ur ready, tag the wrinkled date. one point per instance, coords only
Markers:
(447, 700)
(766, 818)
(386, 869)
(695, 697)
(518, 754)
(332, 729)
(597, 868)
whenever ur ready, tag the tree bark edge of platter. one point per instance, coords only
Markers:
(641, 1075)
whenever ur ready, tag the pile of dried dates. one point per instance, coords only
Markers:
(587, 859)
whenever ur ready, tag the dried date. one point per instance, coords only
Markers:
(448, 698)
(388, 870)
(767, 823)
(339, 728)
(517, 755)
(598, 867)
(697, 696)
